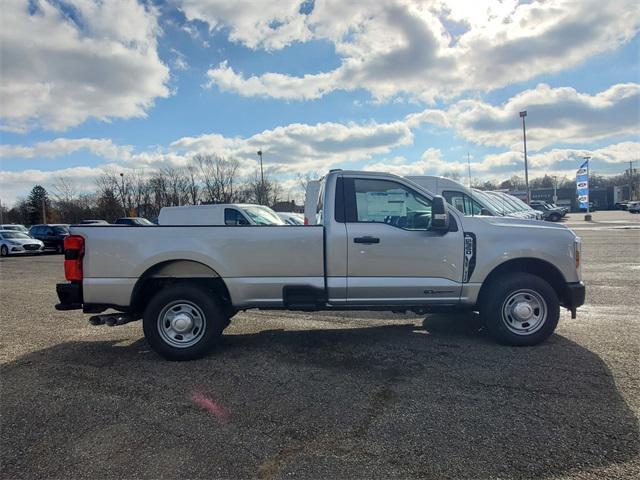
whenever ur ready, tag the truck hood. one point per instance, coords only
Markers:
(469, 223)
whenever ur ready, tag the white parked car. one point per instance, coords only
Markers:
(13, 243)
(15, 227)
(220, 214)
(633, 207)
(291, 218)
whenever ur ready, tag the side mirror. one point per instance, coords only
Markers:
(439, 214)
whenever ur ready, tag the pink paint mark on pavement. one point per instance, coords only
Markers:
(218, 411)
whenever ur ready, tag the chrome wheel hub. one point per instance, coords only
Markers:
(181, 324)
(524, 312)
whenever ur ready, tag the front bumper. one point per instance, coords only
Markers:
(70, 296)
(574, 297)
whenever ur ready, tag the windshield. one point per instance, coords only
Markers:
(488, 202)
(61, 230)
(512, 201)
(522, 204)
(263, 215)
(142, 221)
(497, 205)
(501, 203)
(17, 228)
(20, 235)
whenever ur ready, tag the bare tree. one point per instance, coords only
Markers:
(219, 177)
(193, 186)
(267, 192)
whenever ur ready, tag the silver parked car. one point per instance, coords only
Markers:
(13, 242)
(15, 227)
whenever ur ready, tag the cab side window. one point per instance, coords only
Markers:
(385, 201)
(234, 217)
(462, 202)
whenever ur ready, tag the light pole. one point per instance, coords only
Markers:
(526, 166)
(259, 152)
(124, 207)
(555, 189)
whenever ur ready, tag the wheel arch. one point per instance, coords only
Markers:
(534, 266)
(170, 272)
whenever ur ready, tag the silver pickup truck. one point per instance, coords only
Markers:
(382, 242)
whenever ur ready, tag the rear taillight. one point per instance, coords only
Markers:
(73, 254)
(306, 221)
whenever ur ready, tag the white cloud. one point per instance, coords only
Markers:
(554, 115)
(64, 146)
(393, 47)
(64, 64)
(271, 25)
(298, 147)
(291, 149)
(608, 159)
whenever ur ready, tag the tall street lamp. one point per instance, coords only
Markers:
(259, 152)
(124, 206)
(526, 166)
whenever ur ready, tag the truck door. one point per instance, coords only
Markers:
(392, 255)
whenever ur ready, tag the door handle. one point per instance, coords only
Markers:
(367, 240)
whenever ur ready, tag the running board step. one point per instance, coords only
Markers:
(110, 320)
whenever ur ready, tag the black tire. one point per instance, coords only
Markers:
(501, 320)
(205, 309)
(4, 251)
(60, 248)
(555, 217)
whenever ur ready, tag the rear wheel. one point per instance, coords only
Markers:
(4, 251)
(554, 217)
(183, 322)
(60, 248)
(520, 309)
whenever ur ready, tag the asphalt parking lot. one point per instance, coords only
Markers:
(328, 395)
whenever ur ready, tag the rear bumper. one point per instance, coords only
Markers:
(574, 297)
(70, 296)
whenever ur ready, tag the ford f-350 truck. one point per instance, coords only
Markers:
(382, 242)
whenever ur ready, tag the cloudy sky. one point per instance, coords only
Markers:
(409, 87)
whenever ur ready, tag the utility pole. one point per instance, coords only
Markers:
(1, 213)
(555, 189)
(44, 212)
(526, 166)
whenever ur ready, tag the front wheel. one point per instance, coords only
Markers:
(183, 322)
(4, 251)
(520, 309)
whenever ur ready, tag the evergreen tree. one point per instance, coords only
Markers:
(39, 205)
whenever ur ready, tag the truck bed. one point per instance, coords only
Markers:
(255, 261)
